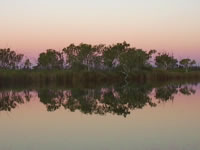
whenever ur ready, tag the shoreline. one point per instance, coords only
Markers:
(64, 77)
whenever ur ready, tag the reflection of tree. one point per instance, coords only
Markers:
(115, 100)
(81, 99)
(84, 100)
(53, 99)
(187, 91)
(9, 100)
(98, 101)
(166, 93)
(120, 101)
(27, 95)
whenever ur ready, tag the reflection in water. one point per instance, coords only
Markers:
(115, 100)
(10, 99)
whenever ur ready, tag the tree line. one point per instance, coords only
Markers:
(115, 100)
(117, 57)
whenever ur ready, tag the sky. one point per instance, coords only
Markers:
(32, 26)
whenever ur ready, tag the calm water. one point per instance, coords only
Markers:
(134, 117)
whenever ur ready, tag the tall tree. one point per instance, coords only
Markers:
(187, 63)
(10, 59)
(165, 61)
(97, 62)
(71, 52)
(27, 64)
(51, 59)
(83, 56)
(86, 55)
(134, 60)
(112, 53)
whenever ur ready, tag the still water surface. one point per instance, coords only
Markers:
(136, 117)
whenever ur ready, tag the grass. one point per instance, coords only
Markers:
(57, 77)
(64, 77)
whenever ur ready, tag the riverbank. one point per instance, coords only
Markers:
(93, 77)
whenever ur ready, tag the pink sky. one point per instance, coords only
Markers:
(33, 26)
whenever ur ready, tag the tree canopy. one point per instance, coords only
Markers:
(187, 63)
(166, 61)
(120, 57)
(10, 59)
(51, 59)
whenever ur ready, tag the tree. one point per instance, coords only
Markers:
(187, 63)
(112, 53)
(83, 56)
(51, 59)
(27, 64)
(86, 55)
(97, 62)
(71, 52)
(165, 61)
(133, 60)
(79, 57)
(10, 59)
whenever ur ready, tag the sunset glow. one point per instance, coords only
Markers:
(32, 26)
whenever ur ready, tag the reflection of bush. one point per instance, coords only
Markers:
(97, 101)
(187, 91)
(166, 93)
(115, 100)
(10, 99)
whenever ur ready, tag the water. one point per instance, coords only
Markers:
(134, 117)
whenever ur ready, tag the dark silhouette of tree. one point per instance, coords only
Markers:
(187, 63)
(86, 54)
(51, 59)
(72, 52)
(83, 56)
(165, 61)
(111, 54)
(27, 64)
(119, 57)
(10, 59)
(134, 60)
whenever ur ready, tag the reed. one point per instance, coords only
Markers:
(40, 77)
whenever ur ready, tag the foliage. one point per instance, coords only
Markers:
(112, 53)
(10, 59)
(134, 59)
(72, 52)
(187, 63)
(88, 63)
(51, 59)
(27, 64)
(119, 100)
(165, 61)
(83, 55)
